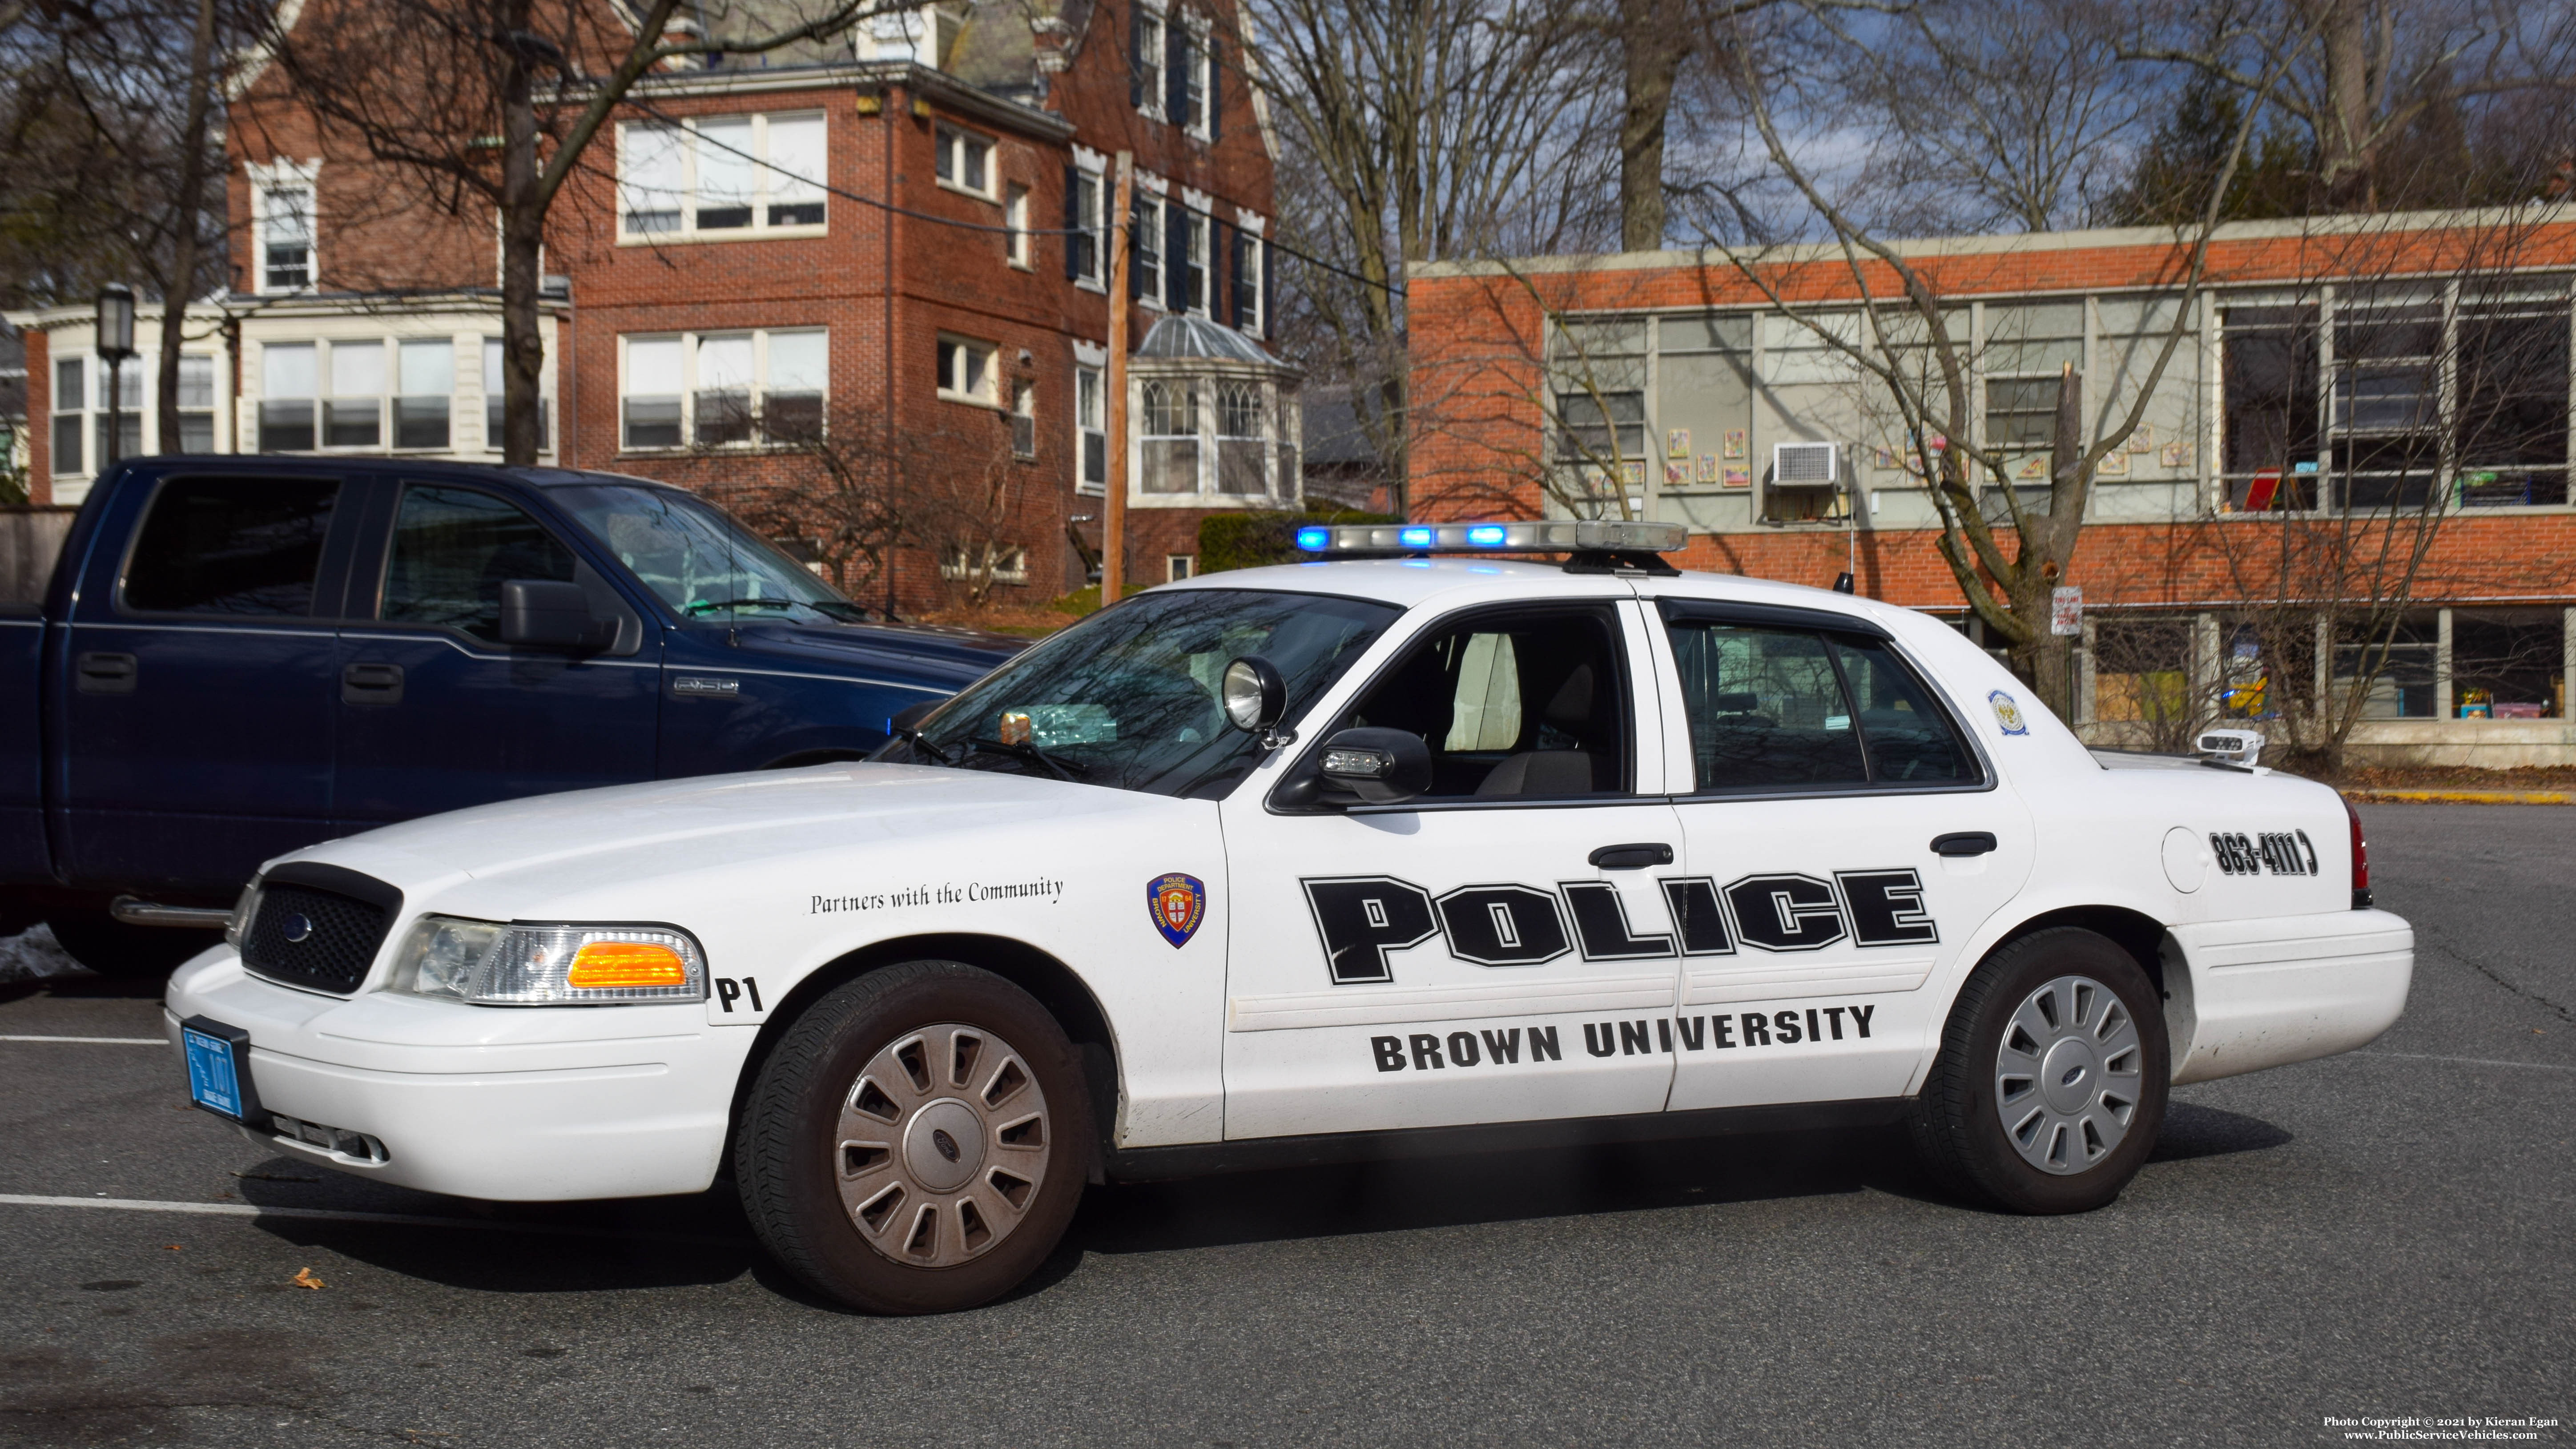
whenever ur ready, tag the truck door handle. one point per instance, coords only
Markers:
(371, 684)
(1631, 857)
(106, 673)
(1964, 842)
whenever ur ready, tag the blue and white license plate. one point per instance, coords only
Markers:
(217, 1060)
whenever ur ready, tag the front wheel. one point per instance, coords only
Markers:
(2050, 1084)
(915, 1142)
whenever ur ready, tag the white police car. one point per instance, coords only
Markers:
(1294, 864)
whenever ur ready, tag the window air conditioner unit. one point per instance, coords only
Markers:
(1803, 465)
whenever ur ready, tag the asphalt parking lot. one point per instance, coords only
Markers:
(2382, 1234)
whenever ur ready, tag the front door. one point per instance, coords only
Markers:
(435, 712)
(197, 714)
(1493, 951)
(1844, 840)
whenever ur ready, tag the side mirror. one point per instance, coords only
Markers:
(1378, 766)
(547, 614)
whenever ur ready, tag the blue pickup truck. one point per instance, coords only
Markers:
(239, 656)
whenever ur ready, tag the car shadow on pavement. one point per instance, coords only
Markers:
(2192, 1130)
(86, 986)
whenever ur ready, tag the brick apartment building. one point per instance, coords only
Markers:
(897, 243)
(2334, 377)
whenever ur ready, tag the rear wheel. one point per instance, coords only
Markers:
(112, 948)
(915, 1141)
(2050, 1085)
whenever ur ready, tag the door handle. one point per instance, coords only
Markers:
(106, 673)
(1964, 842)
(1631, 857)
(371, 684)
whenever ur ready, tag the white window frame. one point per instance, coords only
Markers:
(949, 391)
(1152, 204)
(1024, 419)
(1199, 231)
(761, 377)
(89, 375)
(1179, 566)
(770, 187)
(279, 176)
(1011, 568)
(494, 402)
(951, 137)
(1152, 27)
(1090, 420)
(1093, 168)
(1015, 215)
(1202, 73)
(1255, 253)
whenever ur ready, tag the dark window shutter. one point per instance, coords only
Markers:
(1216, 82)
(1137, 75)
(1176, 256)
(1136, 215)
(1269, 289)
(1176, 67)
(1076, 242)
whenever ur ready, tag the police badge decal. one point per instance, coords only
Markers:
(2008, 713)
(1179, 903)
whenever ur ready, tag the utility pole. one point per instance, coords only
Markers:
(1113, 514)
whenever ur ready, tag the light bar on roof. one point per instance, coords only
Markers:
(1569, 535)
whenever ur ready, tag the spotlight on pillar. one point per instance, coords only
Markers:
(115, 346)
(1843, 583)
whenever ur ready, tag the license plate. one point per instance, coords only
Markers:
(219, 1069)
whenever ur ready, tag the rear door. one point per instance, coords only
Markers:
(196, 705)
(1844, 841)
(433, 712)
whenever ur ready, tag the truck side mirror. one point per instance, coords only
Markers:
(547, 614)
(1377, 766)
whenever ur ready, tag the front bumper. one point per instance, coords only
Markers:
(2279, 989)
(514, 1104)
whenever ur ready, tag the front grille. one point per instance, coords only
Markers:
(334, 938)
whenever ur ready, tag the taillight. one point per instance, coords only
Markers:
(2360, 860)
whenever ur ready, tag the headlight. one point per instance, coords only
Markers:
(238, 926)
(520, 965)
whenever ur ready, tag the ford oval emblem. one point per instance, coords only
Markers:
(298, 927)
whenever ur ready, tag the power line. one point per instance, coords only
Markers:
(881, 204)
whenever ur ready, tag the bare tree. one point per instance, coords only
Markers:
(2360, 76)
(487, 108)
(1419, 130)
(1905, 348)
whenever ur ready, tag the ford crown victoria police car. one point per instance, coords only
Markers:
(1291, 864)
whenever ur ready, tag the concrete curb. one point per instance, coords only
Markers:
(2461, 797)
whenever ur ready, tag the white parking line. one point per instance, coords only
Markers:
(335, 1215)
(96, 1040)
(2468, 1061)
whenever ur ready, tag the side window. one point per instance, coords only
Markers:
(1530, 706)
(1772, 709)
(453, 548)
(231, 546)
(1910, 739)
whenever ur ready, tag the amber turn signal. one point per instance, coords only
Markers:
(610, 965)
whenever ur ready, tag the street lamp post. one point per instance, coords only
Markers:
(115, 345)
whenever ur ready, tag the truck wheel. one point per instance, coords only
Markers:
(114, 949)
(916, 1141)
(2050, 1084)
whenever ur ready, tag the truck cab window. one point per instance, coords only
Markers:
(231, 546)
(453, 548)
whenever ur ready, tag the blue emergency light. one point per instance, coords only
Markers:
(1595, 543)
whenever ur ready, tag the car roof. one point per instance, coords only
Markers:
(293, 464)
(1407, 582)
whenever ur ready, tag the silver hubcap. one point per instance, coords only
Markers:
(943, 1141)
(2067, 1081)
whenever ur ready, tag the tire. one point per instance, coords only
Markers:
(121, 952)
(916, 1141)
(2050, 1084)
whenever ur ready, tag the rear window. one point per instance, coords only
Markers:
(236, 546)
(1783, 709)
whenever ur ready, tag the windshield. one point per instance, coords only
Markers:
(702, 562)
(1128, 697)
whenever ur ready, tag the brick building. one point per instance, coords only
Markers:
(2394, 387)
(889, 255)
